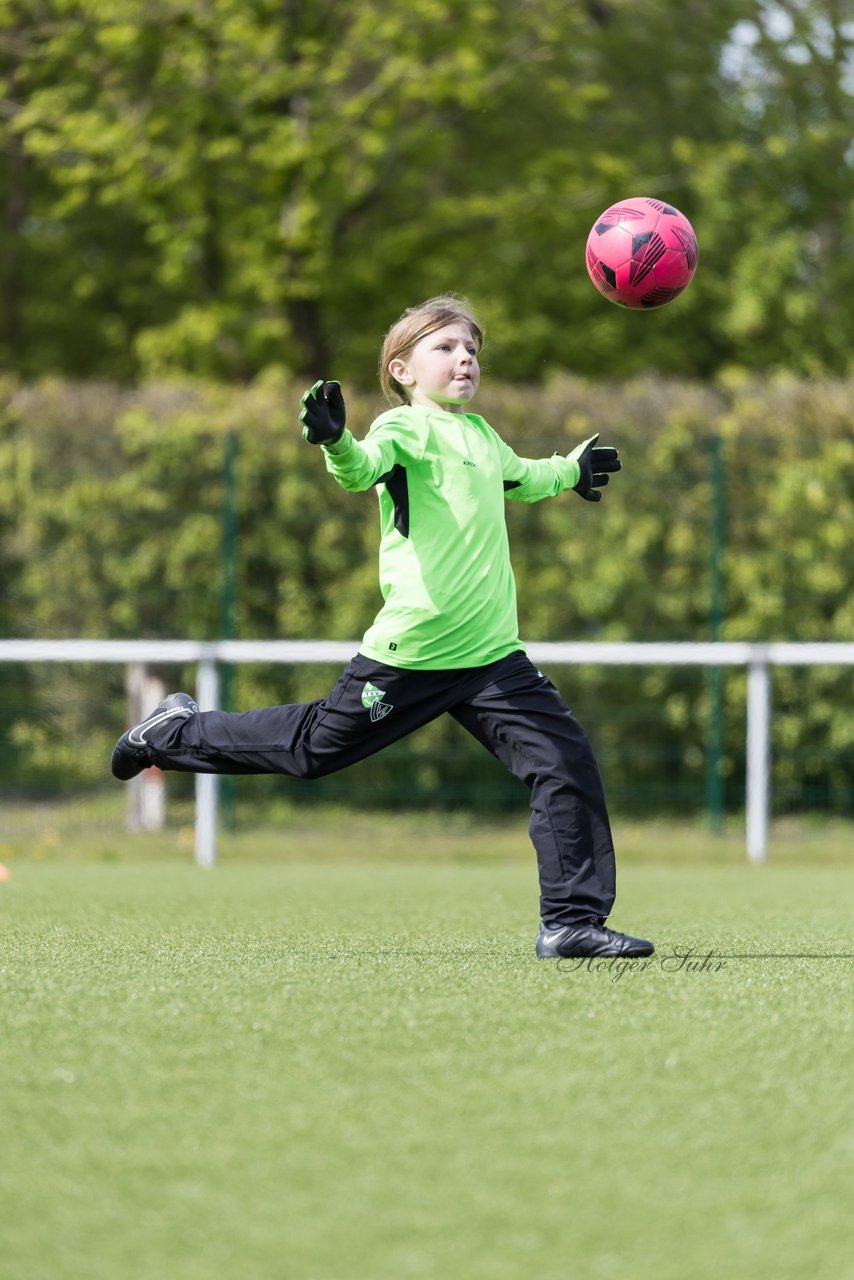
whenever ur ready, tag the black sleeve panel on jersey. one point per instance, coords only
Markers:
(397, 487)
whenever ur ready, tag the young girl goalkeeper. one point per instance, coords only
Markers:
(446, 638)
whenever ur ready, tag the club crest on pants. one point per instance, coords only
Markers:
(372, 700)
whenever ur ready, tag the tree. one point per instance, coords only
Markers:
(779, 196)
(225, 185)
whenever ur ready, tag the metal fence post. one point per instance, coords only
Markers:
(715, 783)
(146, 793)
(758, 757)
(207, 788)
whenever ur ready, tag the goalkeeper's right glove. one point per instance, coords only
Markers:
(322, 414)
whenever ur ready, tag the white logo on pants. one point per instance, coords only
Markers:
(372, 700)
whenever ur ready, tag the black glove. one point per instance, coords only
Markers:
(322, 413)
(594, 464)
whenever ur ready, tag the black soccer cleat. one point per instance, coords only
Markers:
(589, 939)
(131, 753)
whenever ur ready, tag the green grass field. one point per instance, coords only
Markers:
(336, 1057)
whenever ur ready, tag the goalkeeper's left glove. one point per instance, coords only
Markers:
(594, 466)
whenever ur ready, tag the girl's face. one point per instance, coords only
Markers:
(441, 371)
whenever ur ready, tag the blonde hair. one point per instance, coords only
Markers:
(416, 323)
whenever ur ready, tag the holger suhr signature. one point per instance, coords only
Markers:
(687, 961)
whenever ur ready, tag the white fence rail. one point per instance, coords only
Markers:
(757, 658)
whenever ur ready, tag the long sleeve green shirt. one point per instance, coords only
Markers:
(445, 573)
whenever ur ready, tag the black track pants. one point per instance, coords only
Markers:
(509, 706)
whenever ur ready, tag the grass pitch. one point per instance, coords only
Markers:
(327, 1069)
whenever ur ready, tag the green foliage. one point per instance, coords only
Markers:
(239, 191)
(112, 505)
(226, 187)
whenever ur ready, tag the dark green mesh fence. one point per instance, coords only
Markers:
(651, 728)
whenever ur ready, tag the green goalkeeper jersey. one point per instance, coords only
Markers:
(445, 574)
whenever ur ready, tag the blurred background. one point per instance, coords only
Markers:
(207, 205)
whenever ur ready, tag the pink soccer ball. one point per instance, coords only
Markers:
(641, 253)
